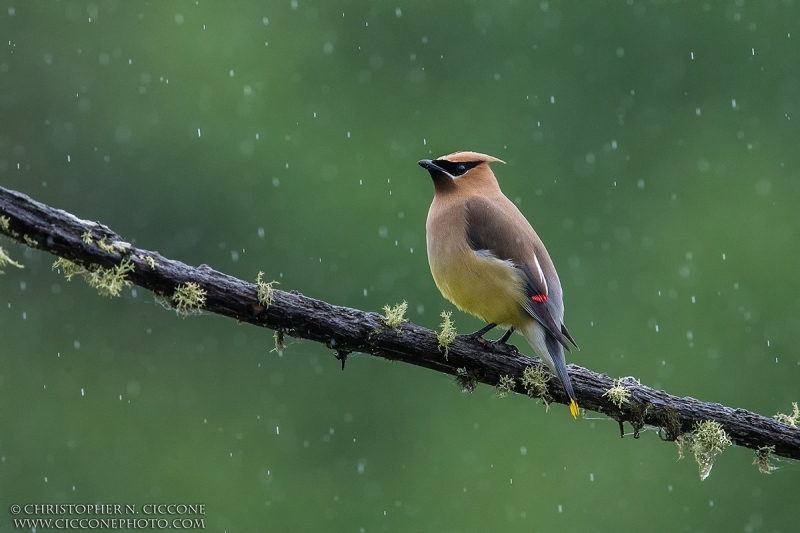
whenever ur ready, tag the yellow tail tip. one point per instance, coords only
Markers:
(573, 408)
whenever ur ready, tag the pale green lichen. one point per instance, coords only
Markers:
(5, 227)
(394, 316)
(279, 344)
(763, 459)
(792, 419)
(68, 268)
(504, 386)
(6, 260)
(117, 246)
(535, 379)
(189, 298)
(467, 380)
(149, 260)
(707, 440)
(448, 333)
(30, 241)
(618, 394)
(105, 246)
(264, 290)
(109, 282)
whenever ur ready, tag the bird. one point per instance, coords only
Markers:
(486, 258)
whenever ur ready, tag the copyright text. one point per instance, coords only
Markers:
(108, 516)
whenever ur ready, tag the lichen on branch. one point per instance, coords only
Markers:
(470, 360)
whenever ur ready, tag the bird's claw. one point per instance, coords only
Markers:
(500, 345)
(509, 347)
(486, 343)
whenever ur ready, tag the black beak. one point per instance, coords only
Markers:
(431, 167)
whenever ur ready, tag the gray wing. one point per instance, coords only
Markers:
(509, 237)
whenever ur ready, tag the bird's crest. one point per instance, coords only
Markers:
(470, 157)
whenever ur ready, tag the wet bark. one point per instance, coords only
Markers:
(346, 330)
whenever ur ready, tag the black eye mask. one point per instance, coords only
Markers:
(455, 169)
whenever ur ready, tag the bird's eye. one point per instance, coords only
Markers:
(461, 168)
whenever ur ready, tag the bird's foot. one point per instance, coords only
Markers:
(486, 343)
(483, 331)
(478, 336)
(504, 347)
(500, 344)
(506, 336)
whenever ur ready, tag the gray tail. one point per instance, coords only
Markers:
(556, 352)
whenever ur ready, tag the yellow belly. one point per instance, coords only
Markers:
(484, 286)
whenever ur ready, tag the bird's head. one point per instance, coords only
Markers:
(461, 167)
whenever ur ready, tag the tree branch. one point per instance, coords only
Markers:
(346, 330)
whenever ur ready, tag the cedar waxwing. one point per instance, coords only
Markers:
(486, 258)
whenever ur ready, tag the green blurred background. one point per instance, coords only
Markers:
(654, 146)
